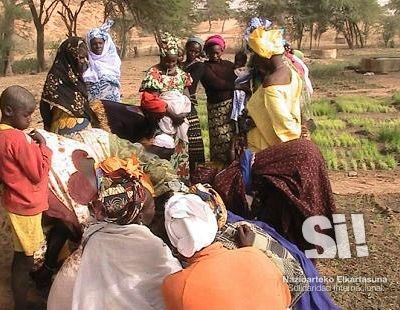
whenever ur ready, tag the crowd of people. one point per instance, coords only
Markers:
(113, 206)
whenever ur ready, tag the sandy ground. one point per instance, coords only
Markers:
(375, 194)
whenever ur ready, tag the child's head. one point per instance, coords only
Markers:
(193, 50)
(240, 59)
(288, 47)
(169, 61)
(181, 56)
(17, 105)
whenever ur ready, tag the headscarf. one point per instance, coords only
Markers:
(168, 44)
(151, 102)
(215, 40)
(254, 23)
(213, 199)
(190, 223)
(121, 198)
(64, 87)
(195, 40)
(266, 43)
(106, 66)
(131, 166)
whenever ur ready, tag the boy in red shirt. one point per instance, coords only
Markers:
(24, 166)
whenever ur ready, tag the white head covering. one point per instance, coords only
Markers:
(164, 140)
(190, 223)
(108, 64)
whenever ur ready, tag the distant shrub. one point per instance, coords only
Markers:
(28, 65)
(321, 71)
(396, 98)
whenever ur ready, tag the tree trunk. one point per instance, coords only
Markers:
(319, 39)
(311, 35)
(41, 66)
(223, 25)
(209, 23)
(5, 52)
(300, 37)
(124, 40)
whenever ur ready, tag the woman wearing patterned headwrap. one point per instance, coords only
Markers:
(195, 67)
(119, 263)
(218, 80)
(165, 83)
(64, 106)
(103, 75)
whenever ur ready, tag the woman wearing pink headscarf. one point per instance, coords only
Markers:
(219, 82)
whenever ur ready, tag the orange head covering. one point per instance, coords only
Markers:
(151, 102)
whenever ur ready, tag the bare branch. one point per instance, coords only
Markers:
(49, 11)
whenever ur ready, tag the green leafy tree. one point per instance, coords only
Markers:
(118, 11)
(275, 10)
(395, 6)
(159, 15)
(211, 10)
(156, 16)
(11, 11)
(355, 18)
(391, 26)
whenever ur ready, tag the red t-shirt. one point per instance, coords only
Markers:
(24, 170)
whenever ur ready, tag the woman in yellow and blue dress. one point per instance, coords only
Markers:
(275, 107)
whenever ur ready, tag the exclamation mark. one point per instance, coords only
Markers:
(341, 235)
(359, 234)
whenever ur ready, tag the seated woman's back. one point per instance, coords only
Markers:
(227, 279)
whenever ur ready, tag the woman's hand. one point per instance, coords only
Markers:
(245, 123)
(245, 236)
(244, 88)
(177, 119)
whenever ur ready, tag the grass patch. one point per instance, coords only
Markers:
(341, 150)
(334, 76)
(323, 108)
(334, 124)
(372, 125)
(327, 71)
(391, 137)
(360, 104)
(203, 117)
(366, 156)
(396, 98)
(331, 138)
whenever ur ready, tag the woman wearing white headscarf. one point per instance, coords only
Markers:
(217, 278)
(103, 75)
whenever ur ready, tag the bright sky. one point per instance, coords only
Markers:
(236, 3)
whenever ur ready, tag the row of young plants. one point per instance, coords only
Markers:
(343, 149)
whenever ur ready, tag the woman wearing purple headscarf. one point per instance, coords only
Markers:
(219, 82)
